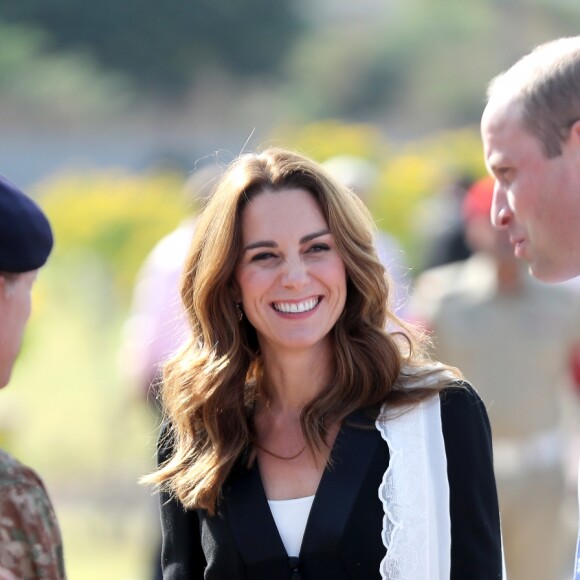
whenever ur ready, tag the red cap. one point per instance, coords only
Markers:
(477, 200)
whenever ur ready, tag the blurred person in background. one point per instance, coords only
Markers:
(531, 135)
(440, 216)
(30, 540)
(303, 439)
(156, 325)
(360, 175)
(517, 341)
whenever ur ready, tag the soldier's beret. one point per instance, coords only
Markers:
(25, 234)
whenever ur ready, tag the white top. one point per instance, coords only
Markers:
(290, 516)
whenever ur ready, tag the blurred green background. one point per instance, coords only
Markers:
(105, 109)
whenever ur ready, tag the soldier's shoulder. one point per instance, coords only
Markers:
(13, 473)
(30, 540)
(23, 496)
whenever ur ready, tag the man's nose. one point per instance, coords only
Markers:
(501, 214)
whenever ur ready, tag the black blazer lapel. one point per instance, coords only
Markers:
(253, 526)
(339, 487)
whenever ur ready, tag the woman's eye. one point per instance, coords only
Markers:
(262, 256)
(316, 248)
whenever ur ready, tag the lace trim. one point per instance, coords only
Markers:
(415, 495)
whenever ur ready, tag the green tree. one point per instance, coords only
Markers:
(67, 85)
(162, 45)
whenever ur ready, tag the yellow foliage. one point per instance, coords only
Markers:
(459, 151)
(112, 214)
(325, 139)
(403, 183)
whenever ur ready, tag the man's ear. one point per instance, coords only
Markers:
(3, 283)
(572, 144)
(574, 136)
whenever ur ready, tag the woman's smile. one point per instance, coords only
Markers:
(297, 307)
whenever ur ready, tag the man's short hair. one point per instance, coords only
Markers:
(546, 83)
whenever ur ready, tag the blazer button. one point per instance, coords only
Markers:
(294, 562)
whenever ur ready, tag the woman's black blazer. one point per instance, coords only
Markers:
(342, 539)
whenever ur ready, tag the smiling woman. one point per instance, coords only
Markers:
(292, 389)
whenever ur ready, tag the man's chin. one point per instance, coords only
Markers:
(552, 274)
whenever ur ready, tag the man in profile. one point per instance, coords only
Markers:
(531, 136)
(30, 540)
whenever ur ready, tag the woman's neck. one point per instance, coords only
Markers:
(292, 379)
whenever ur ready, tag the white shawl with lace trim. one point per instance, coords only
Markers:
(415, 494)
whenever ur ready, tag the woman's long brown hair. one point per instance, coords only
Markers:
(210, 386)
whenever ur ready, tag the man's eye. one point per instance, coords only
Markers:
(504, 174)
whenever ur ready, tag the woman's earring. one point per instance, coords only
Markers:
(239, 311)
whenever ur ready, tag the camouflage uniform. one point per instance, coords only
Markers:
(30, 540)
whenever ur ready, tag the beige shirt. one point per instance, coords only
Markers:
(514, 349)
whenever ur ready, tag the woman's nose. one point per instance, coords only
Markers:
(295, 274)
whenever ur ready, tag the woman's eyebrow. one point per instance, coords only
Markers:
(260, 244)
(272, 244)
(309, 237)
